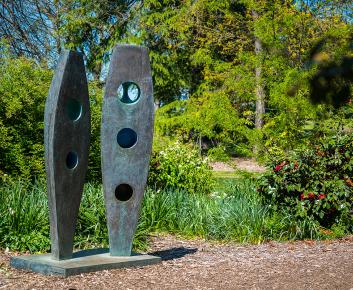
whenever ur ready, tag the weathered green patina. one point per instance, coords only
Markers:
(81, 262)
(66, 140)
(126, 134)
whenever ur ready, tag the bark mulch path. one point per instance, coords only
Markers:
(245, 164)
(196, 264)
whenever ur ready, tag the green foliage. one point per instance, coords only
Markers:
(236, 212)
(94, 27)
(203, 61)
(217, 154)
(91, 229)
(94, 159)
(315, 183)
(333, 82)
(180, 167)
(203, 64)
(209, 121)
(24, 223)
(184, 68)
(23, 88)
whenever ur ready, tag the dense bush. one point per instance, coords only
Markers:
(23, 89)
(218, 154)
(180, 167)
(24, 86)
(316, 182)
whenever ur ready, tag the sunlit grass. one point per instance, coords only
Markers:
(225, 174)
(233, 212)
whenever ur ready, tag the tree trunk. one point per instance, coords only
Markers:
(259, 89)
(57, 27)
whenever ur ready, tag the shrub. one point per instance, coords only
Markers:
(180, 167)
(23, 88)
(316, 182)
(218, 154)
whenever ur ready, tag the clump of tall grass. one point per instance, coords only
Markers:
(24, 221)
(235, 213)
(24, 218)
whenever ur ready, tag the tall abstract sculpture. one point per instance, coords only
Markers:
(126, 143)
(66, 140)
(126, 134)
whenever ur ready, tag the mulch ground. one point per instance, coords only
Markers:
(244, 164)
(197, 264)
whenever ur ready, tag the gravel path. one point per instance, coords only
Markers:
(196, 264)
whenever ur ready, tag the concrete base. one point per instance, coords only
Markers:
(82, 262)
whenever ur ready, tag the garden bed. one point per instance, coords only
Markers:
(197, 264)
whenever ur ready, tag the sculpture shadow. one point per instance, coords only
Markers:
(165, 255)
(174, 253)
(90, 252)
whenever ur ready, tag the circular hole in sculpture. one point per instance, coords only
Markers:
(71, 160)
(127, 138)
(123, 192)
(129, 92)
(74, 109)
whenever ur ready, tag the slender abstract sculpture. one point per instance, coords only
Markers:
(126, 142)
(66, 140)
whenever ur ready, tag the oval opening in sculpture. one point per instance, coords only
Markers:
(126, 138)
(74, 109)
(71, 160)
(123, 192)
(129, 92)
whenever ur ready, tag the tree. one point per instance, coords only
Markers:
(216, 51)
(39, 29)
(31, 27)
(94, 27)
